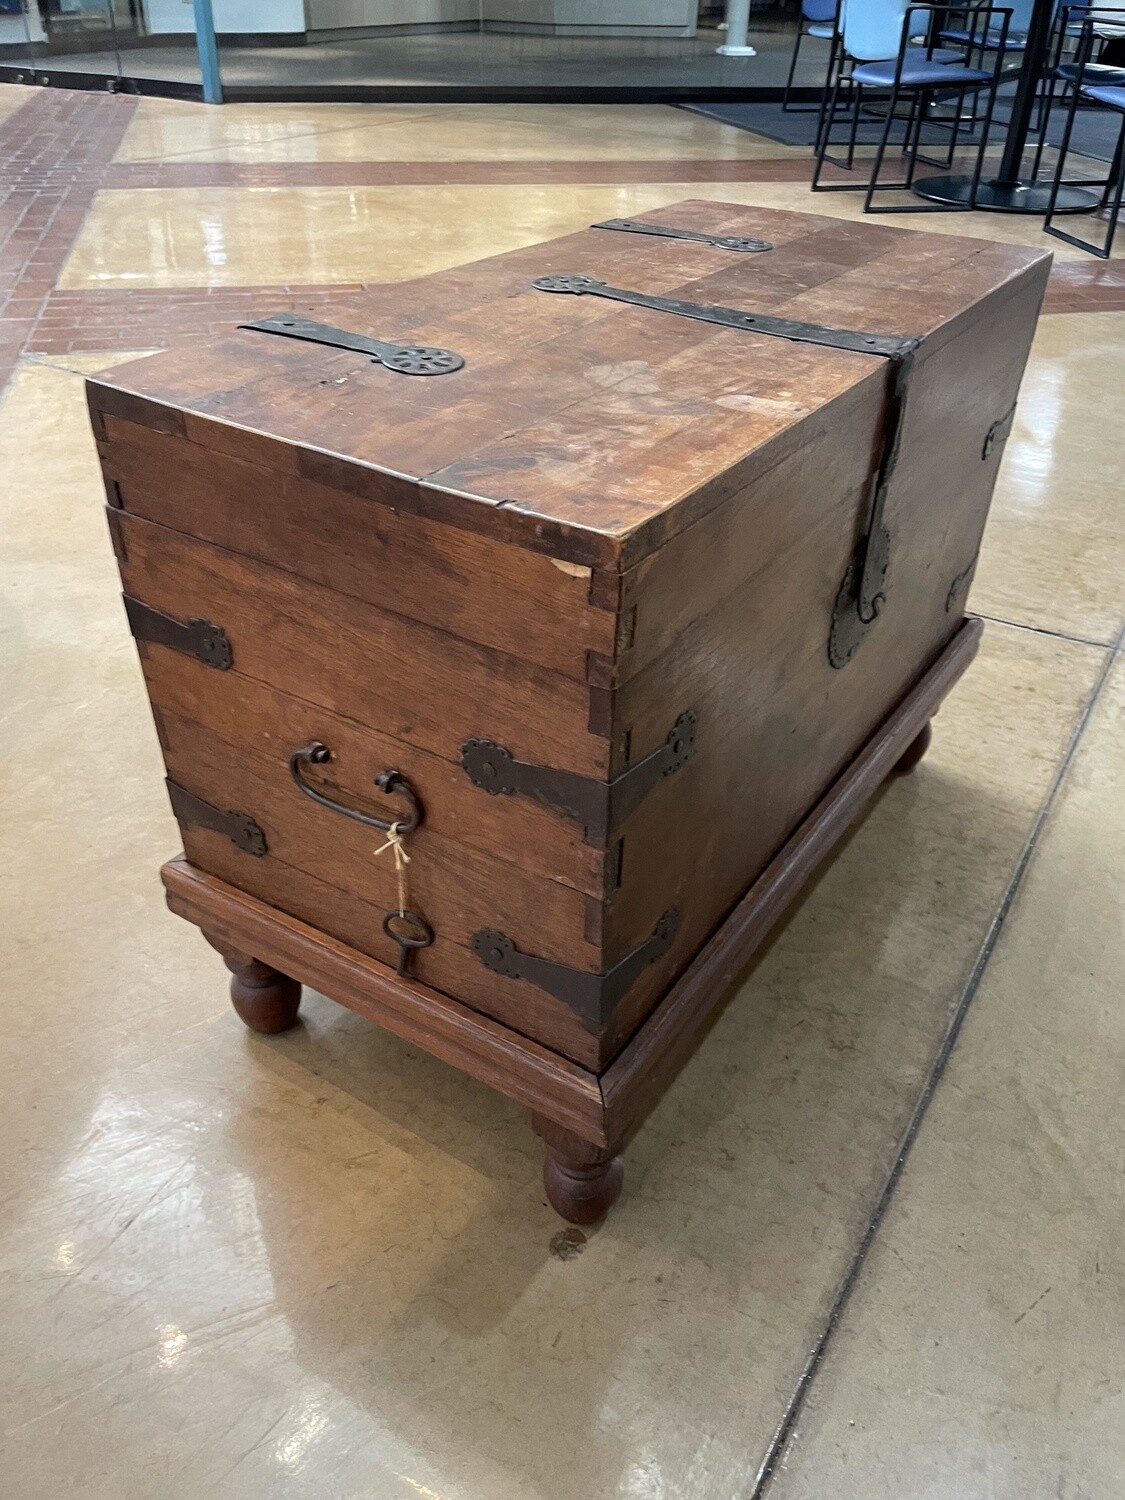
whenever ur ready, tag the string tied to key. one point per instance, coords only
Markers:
(404, 927)
(396, 844)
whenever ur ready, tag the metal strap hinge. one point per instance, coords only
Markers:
(192, 812)
(601, 806)
(208, 643)
(406, 359)
(862, 592)
(998, 432)
(959, 589)
(740, 242)
(592, 997)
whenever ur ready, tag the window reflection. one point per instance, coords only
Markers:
(532, 50)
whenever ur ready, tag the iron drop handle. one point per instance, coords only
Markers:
(394, 783)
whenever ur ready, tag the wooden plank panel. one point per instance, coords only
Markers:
(457, 890)
(446, 966)
(749, 525)
(953, 403)
(529, 361)
(407, 680)
(258, 719)
(506, 597)
(643, 1071)
(776, 721)
(625, 454)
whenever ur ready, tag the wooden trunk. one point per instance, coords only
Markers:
(639, 602)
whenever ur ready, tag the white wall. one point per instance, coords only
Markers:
(331, 15)
(230, 15)
(597, 15)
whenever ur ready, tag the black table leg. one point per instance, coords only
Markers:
(1007, 192)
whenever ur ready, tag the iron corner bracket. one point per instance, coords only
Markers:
(192, 812)
(600, 806)
(998, 433)
(207, 642)
(958, 594)
(592, 997)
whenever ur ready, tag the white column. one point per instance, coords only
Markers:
(738, 25)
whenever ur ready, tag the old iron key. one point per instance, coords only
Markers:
(407, 944)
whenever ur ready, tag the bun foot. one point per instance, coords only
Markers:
(582, 1193)
(583, 1181)
(914, 751)
(264, 999)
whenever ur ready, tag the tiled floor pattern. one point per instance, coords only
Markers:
(317, 1266)
(225, 236)
(52, 151)
(170, 133)
(286, 203)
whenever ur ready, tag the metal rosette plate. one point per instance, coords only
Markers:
(422, 360)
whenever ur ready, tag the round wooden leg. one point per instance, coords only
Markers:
(264, 999)
(582, 1192)
(583, 1181)
(915, 751)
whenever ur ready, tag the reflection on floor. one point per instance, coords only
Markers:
(314, 1266)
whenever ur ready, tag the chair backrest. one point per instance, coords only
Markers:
(1078, 15)
(873, 28)
(818, 10)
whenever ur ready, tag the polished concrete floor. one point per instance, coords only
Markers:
(870, 1244)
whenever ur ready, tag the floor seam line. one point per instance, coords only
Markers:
(784, 1431)
(199, 157)
(1058, 635)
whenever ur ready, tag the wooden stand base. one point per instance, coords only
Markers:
(915, 751)
(583, 1118)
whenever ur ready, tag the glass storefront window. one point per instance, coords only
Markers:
(524, 50)
(94, 41)
(510, 49)
(15, 40)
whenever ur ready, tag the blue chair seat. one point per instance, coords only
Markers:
(918, 73)
(823, 29)
(1112, 98)
(1093, 74)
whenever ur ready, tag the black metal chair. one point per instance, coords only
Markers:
(1105, 95)
(874, 24)
(913, 72)
(1061, 75)
(964, 35)
(818, 18)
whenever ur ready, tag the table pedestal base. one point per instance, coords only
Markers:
(1006, 197)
